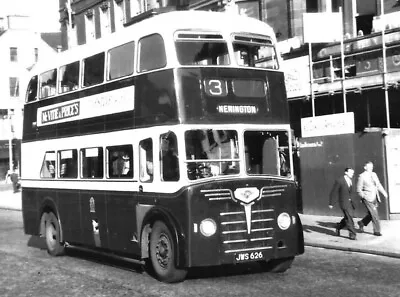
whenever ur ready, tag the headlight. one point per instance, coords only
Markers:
(208, 227)
(284, 221)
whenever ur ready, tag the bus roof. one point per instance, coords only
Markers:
(165, 24)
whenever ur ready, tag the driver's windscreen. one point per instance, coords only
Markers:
(211, 152)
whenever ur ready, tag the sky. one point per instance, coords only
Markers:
(44, 13)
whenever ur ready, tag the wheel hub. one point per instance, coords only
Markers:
(163, 250)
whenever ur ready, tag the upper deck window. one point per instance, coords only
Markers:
(151, 53)
(69, 77)
(47, 83)
(201, 49)
(93, 73)
(120, 61)
(255, 51)
(31, 93)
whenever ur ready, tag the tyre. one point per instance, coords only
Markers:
(277, 265)
(162, 255)
(52, 235)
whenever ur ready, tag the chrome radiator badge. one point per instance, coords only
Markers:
(247, 197)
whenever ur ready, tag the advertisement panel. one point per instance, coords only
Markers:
(317, 30)
(333, 124)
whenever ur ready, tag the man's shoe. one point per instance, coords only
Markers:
(352, 237)
(360, 226)
(377, 234)
(337, 230)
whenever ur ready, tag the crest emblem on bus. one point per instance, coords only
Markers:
(247, 197)
(92, 206)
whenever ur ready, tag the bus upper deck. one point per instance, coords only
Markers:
(188, 71)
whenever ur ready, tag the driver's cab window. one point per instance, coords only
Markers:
(169, 162)
(267, 153)
(146, 160)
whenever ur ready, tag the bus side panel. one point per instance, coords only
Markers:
(68, 204)
(94, 218)
(30, 213)
(121, 222)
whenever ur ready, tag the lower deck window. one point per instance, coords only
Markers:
(48, 165)
(68, 164)
(92, 162)
(120, 161)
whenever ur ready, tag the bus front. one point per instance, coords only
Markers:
(238, 154)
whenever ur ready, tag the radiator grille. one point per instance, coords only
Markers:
(233, 224)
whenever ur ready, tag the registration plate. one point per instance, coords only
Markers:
(249, 256)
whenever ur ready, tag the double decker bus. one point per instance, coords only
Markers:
(167, 143)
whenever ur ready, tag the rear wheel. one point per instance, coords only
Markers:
(53, 235)
(277, 265)
(162, 254)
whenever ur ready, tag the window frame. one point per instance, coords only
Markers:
(82, 162)
(40, 96)
(15, 86)
(28, 95)
(84, 68)
(109, 55)
(110, 161)
(59, 77)
(59, 167)
(52, 176)
(138, 59)
(13, 54)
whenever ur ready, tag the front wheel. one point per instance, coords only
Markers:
(162, 254)
(53, 235)
(277, 265)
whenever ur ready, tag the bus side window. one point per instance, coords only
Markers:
(169, 157)
(151, 53)
(120, 61)
(68, 164)
(47, 84)
(93, 72)
(48, 165)
(120, 161)
(31, 93)
(92, 162)
(146, 160)
(69, 77)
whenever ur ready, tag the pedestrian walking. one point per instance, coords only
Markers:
(343, 190)
(15, 181)
(368, 188)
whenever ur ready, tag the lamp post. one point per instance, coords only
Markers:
(10, 137)
(383, 25)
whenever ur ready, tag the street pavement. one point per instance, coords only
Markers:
(319, 231)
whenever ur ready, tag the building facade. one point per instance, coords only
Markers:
(348, 85)
(20, 49)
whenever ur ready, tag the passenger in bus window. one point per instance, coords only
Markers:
(63, 169)
(121, 166)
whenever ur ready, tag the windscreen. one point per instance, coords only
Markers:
(201, 49)
(267, 153)
(254, 51)
(211, 153)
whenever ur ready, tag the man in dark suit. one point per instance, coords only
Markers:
(343, 188)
